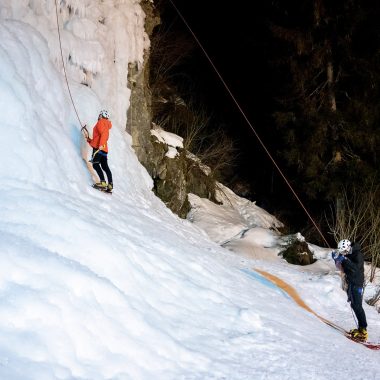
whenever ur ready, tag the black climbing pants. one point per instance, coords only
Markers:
(100, 164)
(355, 296)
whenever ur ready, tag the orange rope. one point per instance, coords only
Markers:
(251, 126)
(63, 64)
(296, 297)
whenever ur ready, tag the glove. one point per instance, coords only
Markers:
(334, 255)
(339, 259)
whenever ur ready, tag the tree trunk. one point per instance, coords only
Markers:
(330, 82)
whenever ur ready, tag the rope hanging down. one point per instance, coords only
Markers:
(64, 67)
(251, 126)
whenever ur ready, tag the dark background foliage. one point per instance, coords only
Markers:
(275, 57)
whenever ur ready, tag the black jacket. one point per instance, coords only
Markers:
(353, 266)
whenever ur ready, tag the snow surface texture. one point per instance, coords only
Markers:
(97, 287)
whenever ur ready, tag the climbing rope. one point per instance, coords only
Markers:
(228, 90)
(353, 316)
(64, 67)
(250, 125)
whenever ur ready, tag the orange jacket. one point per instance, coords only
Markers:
(100, 134)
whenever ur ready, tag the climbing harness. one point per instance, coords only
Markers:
(93, 155)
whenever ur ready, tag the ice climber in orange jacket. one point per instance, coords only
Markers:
(100, 135)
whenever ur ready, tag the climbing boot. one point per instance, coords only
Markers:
(102, 185)
(110, 187)
(359, 334)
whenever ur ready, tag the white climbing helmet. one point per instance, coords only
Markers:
(104, 113)
(344, 246)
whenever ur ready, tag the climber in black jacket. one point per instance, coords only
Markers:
(349, 259)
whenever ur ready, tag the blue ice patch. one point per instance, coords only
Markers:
(264, 281)
(76, 135)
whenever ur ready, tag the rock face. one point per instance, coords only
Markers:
(298, 253)
(174, 177)
(139, 117)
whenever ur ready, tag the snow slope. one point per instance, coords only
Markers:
(97, 287)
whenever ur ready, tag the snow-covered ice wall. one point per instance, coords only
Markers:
(99, 287)
(99, 39)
